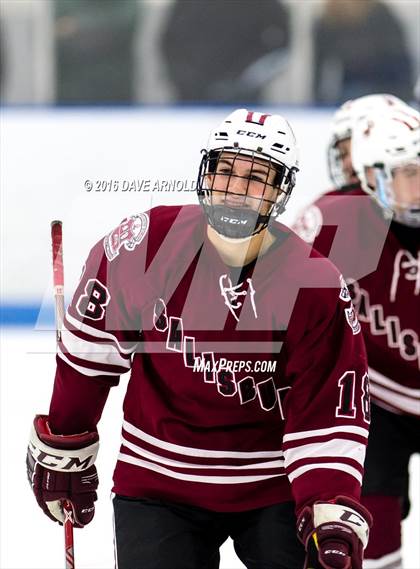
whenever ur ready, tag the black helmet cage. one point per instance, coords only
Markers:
(284, 180)
(335, 165)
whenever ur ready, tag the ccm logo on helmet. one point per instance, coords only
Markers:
(250, 133)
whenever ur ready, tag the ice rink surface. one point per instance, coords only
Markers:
(29, 540)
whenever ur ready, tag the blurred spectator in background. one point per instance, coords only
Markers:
(225, 50)
(359, 48)
(1, 57)
(94, 50)
(416, 94)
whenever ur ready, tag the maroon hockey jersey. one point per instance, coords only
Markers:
(381, 262)
(248, 387)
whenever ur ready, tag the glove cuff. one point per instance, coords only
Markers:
(325, 513)
(341, 510)
(63, 453)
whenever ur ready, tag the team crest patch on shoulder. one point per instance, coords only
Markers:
(352, 320)
(344, 291)
(308, 225)
(129, 234)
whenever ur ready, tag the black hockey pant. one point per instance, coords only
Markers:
(151, 534)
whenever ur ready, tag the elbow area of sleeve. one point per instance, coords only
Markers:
(77, 401)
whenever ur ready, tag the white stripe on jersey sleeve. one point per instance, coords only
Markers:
(178, 464)
(193, 477)
(99, 334)
(406, 399)
(334, 448)
(326, 465)
(103, 353)
(190, 451)
(84, 370)
(387, 382)
(395, 401)
(328, 431)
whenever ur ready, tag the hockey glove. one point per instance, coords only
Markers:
(62, 467)
(334, 533)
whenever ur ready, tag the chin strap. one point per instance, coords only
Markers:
(236, 223)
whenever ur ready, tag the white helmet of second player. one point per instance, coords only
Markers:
(341, 128)
(382, 144)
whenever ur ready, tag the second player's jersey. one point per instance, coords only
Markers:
(349, 228)
(248, 386)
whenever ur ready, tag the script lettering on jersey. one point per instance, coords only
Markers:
(232, 294)
(406, 341)
(222, 372)
(406, 266)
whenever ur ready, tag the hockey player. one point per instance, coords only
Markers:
(247, 409)
(385, 158)
(340, 164)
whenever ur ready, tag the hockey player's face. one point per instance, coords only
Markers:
(344, 155)
(406, 184)
(243, 182)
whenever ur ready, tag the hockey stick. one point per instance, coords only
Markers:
(58, 281)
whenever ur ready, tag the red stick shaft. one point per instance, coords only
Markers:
(58, 281)
(57, 252)
(68, 535)
(58, 274)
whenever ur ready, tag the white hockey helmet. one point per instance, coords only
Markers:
(252, 136)
(341, 128)
(384, 142)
